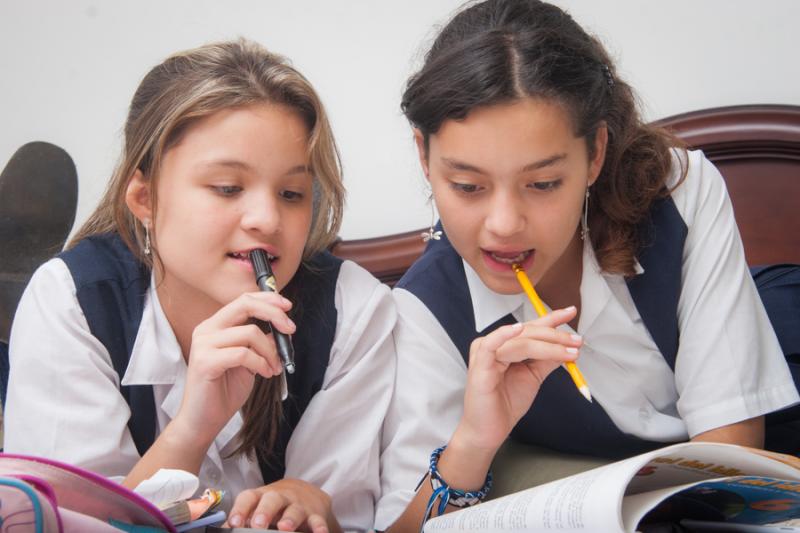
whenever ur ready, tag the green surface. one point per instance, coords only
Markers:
(520, 466)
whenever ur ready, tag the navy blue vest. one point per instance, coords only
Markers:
(111, 286)
(560, 418)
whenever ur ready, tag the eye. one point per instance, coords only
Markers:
(227, 190)
(292, 196)
(545, 186)
(465, 188)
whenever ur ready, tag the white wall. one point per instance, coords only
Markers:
(69, 68)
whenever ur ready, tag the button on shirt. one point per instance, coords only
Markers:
(64, 401)
(729, 365)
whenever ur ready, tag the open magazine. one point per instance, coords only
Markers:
(692, 482)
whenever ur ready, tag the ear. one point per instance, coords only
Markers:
(137, 197)
(600, 144)
(419, 140)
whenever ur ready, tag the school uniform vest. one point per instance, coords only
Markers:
(560, 418)
(111, 286)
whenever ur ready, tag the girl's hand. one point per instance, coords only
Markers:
(506, 369)
(227, 352)
(288, 505)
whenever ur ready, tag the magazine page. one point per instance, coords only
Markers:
(698, 461)
(593, 500)
(586, 501)
(746, 500)
(694, 468)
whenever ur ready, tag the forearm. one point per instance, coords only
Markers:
(745, 433)
(463, 467)
(174, 449)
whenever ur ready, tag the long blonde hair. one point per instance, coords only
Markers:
(174, 95)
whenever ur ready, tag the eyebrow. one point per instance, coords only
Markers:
(536, 165)
(241, 165)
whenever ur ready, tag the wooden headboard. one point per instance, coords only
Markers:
(757, 150)
(755, 147)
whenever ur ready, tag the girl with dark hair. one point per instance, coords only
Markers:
(136, 349)
(537, 157)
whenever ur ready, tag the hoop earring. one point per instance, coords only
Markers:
(147, 250)
(585, 217)
(431, 233)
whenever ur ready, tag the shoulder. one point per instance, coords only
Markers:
(52, 281)
(351, 273)
(101, 258)
(702, 184)
(435, 271)
(356, 287)
(438, 281)
(49, 317)
(365, 318)
(328, 286)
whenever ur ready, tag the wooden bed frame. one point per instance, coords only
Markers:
(755, 147)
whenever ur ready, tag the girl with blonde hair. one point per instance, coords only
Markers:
(136, 349)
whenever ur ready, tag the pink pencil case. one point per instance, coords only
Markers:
(43, 496)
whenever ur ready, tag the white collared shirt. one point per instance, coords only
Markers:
(64, 401)
(729, 365)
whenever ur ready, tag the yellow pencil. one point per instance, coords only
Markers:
(541, 310)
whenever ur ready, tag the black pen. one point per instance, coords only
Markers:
(266, 282)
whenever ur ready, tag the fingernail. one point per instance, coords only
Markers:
(288, 523)
(290, 323)
(516, 326)
(235, 520)
(285, 301)
(259, 520)
(571, 308)
(574, 337)
(572, 350)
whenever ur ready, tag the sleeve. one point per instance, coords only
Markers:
(426, 407)
(336, 444)
(63, 393)
(729, 366)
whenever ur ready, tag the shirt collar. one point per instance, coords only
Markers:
(156, 358)
(596, 287)
(489, 306)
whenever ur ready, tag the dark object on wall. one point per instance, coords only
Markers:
(38, 199)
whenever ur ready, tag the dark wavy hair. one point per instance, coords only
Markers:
(498, 51)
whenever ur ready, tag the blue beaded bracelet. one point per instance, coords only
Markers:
(446, 494)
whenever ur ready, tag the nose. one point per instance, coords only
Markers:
(506, 214)
(261, 212)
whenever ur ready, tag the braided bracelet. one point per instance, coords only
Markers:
(446, 494)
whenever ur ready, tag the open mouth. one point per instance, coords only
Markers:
(510, 258)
